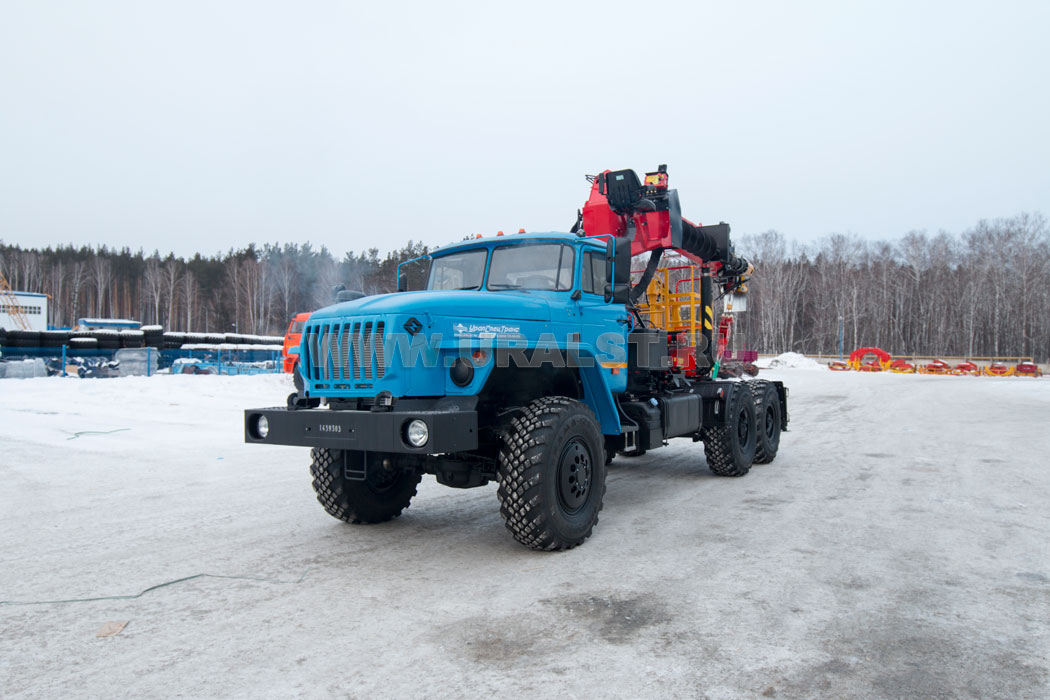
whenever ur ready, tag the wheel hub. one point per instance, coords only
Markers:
(742, 428)
(574, 474)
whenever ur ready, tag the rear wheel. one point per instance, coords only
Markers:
(379, 497)
(552, 474)
(730, 448)
(767, 419)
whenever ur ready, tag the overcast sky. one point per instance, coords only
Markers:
(197, 126)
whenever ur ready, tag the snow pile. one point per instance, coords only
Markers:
(789, 360)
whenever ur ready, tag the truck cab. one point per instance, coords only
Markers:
(292, 336)
(501, 320)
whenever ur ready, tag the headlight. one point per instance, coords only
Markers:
(417, 433)
(262, 427)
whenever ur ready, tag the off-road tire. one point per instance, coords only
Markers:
(767, 421)
(376, 499)
(730, 448)
(552, 447)
(297, 380)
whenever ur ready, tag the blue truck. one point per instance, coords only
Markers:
(523, 361)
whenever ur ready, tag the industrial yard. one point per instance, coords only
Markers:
(896, 548)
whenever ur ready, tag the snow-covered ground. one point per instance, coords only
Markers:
(897, 548)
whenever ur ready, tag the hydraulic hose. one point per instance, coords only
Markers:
(650, 269)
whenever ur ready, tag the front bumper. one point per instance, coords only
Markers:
(450, 429)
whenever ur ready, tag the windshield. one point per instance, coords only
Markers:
(544, 266)
(458, 271)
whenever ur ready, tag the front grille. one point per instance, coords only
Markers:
(336, 351)
(357, 352)
(377, 343)
(367, 364)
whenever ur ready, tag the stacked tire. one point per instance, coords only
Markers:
(153, 337)
(174, 340)
(23, 339)
(54, 339)
(107, 340)
(80, 342)
(132, 339)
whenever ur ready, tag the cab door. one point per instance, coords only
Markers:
(603, 325)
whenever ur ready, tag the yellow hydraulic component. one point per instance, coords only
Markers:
(672, 301)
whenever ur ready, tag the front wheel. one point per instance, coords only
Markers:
(552, 474)
(380, 496)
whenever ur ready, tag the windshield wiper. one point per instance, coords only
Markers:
(473, 286)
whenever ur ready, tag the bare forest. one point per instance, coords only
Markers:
(254, 290)
(980, 294)
(983, 293)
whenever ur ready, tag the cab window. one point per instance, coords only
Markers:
(592, 273)
(458, 271)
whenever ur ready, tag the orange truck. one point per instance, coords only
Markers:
(290, 353)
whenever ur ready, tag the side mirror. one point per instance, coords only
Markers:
(402, 282)
(618, 294)
(610, 256)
